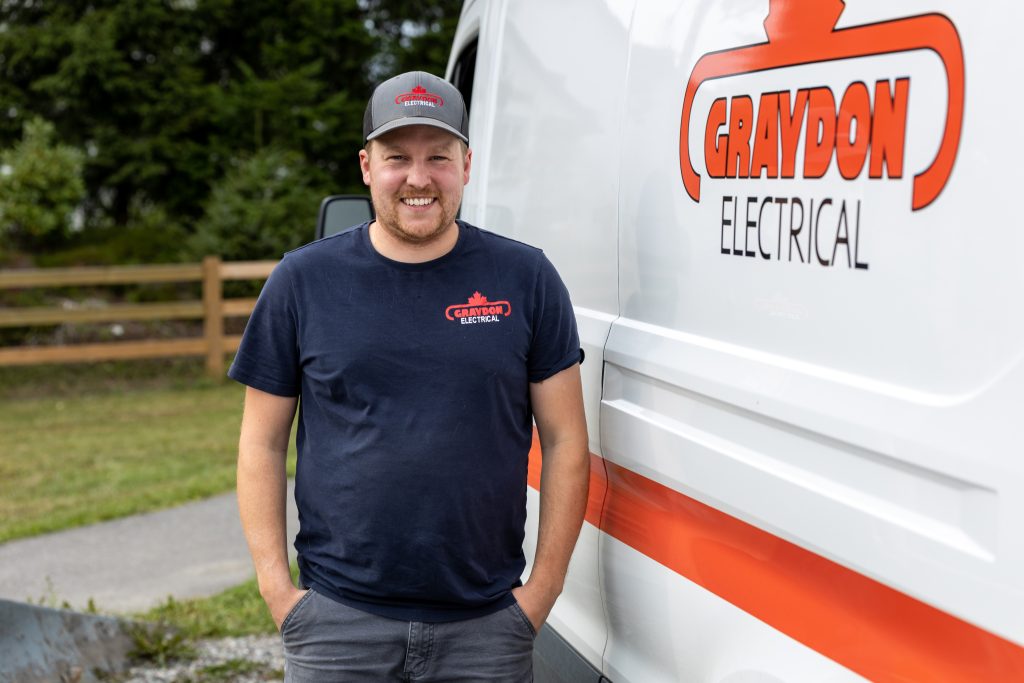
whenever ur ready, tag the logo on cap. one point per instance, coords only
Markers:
(419, 97)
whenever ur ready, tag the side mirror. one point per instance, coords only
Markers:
(341, 211)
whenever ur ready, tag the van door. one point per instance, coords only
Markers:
(811, 417)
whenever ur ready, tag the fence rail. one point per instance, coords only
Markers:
(212, 309)
(100, 275)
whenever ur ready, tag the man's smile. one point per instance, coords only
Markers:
(418, 201)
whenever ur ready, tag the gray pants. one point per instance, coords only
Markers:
(327, 642)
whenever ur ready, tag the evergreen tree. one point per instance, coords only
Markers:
(40, 186)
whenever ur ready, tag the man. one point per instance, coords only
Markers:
(421, 348)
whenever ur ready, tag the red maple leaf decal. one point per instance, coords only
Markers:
(477, 299)
(419, 90)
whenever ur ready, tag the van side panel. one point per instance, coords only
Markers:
(789, 229)
(821, 339)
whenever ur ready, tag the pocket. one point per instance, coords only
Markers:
(288, 618)
(523, 619)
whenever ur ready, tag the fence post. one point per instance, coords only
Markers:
(213, 316)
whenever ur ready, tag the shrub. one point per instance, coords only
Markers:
(265, 205)
(40, 186)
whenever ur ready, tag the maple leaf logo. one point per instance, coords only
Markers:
(478, 308)
(419, 96)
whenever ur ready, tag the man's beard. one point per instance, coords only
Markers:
(387, 216)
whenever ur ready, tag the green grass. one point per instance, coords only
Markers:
(75, 451)
(72, 380)
(238, 611)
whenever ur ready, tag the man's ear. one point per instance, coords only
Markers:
(467, 164)
(364, 166)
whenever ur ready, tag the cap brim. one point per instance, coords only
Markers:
(415, 121)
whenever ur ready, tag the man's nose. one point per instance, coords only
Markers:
(419, 175)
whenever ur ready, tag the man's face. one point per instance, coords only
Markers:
(416, 175)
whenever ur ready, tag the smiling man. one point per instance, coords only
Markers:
(415, 427)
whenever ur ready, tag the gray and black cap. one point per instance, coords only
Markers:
(416, 98)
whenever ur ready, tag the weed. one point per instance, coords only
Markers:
(105, 676)
(49, 597)
(159, 643)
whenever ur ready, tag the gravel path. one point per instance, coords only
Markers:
(249, 659)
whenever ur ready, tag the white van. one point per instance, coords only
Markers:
(790, 231)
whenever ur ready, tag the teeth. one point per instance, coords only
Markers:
(418, 201)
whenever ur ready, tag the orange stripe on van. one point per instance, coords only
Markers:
(866, 626)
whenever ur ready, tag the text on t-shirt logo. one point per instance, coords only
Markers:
(478, 309)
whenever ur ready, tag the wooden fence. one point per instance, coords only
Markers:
(212, 309)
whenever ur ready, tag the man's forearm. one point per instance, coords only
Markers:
(262, 481)
(261, 504)
(565, 479)
(564, 484)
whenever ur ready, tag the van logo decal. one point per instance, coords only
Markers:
(478, 309)
(419, 97)
(864, 127)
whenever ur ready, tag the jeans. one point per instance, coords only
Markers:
(328, 642)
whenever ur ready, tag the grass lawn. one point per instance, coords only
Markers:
(238, 611)
(88, 443)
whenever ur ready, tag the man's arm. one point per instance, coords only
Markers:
(565, 477)
(262, 479)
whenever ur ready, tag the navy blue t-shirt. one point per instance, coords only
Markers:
(414, 417)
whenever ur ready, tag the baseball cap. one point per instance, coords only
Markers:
(416, 98)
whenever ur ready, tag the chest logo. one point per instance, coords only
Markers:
(478, 309)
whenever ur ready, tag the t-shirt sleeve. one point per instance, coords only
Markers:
(268, 356)
(556, 344)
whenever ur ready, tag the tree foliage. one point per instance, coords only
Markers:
(265, 205)
(168, 97)
(40, 186)
(414, 35)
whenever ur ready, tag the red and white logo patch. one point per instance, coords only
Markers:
(419, 97)
(478, 309)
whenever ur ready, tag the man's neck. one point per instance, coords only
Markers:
(395, 249)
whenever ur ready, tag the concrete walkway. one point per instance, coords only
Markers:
(134, 563)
